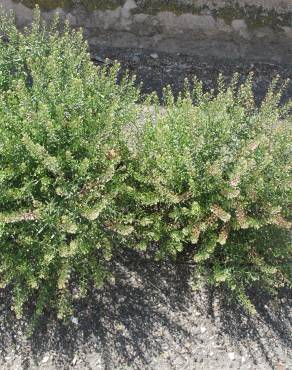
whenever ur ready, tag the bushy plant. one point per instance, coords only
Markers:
(83, 172)
(62, 164)
(212, 181)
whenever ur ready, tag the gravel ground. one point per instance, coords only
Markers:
(150, 318)
(156, 71)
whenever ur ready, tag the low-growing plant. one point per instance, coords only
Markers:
(207, 177)
(62, 164)
(212, 181)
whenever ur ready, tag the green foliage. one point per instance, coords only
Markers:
(206, 177)
(212, 179)
(62, 164)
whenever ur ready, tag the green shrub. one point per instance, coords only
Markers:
(212, 181)
(62, 164)
(207, 177)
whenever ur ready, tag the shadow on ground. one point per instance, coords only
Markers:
(172, 69)
(149, 319)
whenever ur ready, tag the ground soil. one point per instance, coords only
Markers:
(156, 71)
(150, 318)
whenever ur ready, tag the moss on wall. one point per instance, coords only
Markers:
(69, 4)
(254, 16)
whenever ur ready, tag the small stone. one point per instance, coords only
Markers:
(45, 359)
(98, 59)
(154, 56)
(203, 329)
(74, 361)
(165, 347)
(74, 320)
(136, 59)
(231, 355)
(243, 360)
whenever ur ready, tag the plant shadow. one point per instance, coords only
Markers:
(149, 317)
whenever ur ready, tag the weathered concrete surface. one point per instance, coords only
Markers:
(249, 29)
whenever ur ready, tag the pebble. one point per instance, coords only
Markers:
(74, 361)
(98, 59)
(45, 359)
(136, 59)
(231, 355)
(154, 56)
(203, 329)
(74, 320)
(165, 346)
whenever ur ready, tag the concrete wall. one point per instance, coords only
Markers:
(250, 29)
